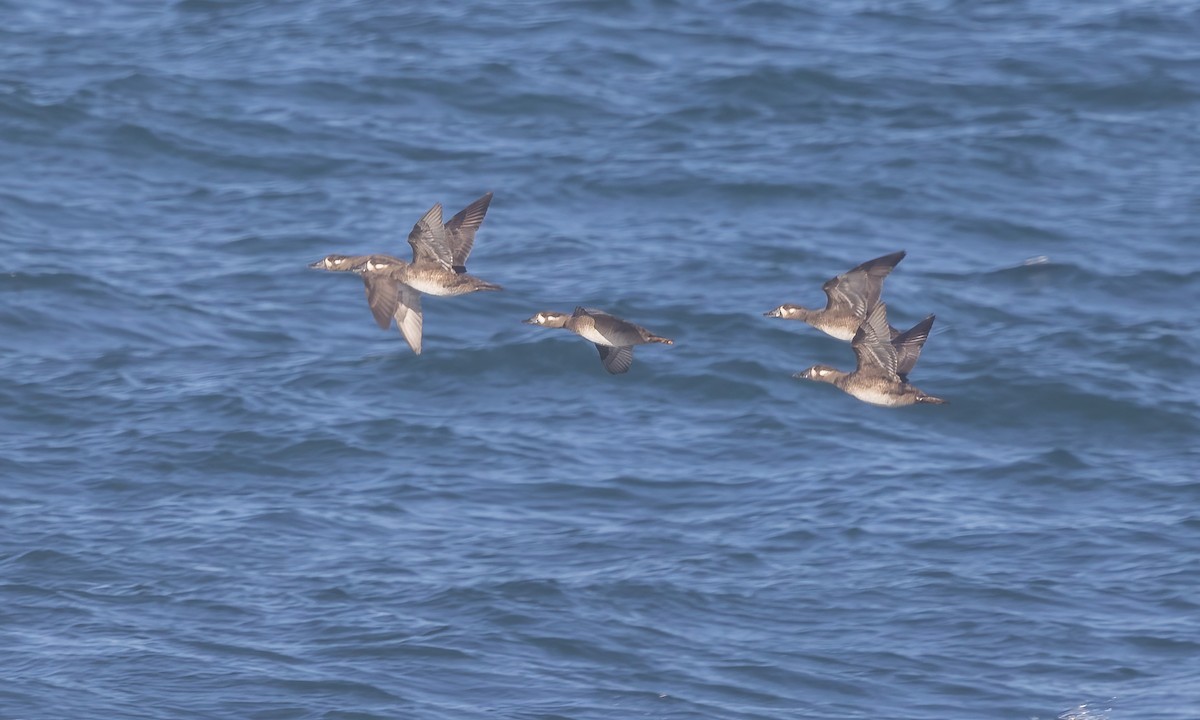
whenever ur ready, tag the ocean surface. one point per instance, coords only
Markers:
(225, 493)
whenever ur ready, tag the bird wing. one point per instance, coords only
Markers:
(408, 316)
(460, 231)
(908, 346)
(616, 360)
(428, 239)
(579, 310)
(871, 344)
(860, 288)
(382, 297)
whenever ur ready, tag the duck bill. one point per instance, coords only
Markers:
(777, 312)
(318, 265)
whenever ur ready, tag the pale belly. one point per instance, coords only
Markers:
(841, 333)
(881, 397)
(589, 333)
(434, 286)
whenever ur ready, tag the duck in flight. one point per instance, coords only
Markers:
(614, 338)
(881, 377)
(851, 296)
(438, 267)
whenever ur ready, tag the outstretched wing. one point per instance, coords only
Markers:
(908, 346)
(428, 239)
(460, 231)
(872, 345)
(408, 316)
(860, 288)
(616, 360)
(382, 296)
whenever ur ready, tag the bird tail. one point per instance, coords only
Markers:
(931, 400)
(657, 339)
(489, 286)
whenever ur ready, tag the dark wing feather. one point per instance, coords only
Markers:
(908, 346)
(844, 294)
(460, 231)
(382, 296)
(859, 289)
(872, 345)
(428, 239)
(616, 360)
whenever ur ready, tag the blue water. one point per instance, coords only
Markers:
(227, 494)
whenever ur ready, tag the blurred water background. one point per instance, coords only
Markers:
(227, 494)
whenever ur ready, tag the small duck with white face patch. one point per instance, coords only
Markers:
(613, 337)
(394, 289)
(438, 267)
(851, 296)
(881, 377)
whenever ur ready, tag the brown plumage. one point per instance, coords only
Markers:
(851, 296)
(438, 267)
(613, 337)
(881, 377)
